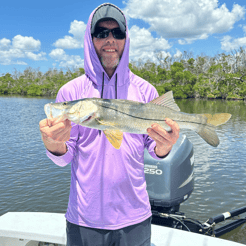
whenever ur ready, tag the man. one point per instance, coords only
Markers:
(108, 201)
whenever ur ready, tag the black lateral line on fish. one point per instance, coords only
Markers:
(146, 118)
(130, 114)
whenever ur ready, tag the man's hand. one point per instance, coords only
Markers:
(164, 140)
(55, 135)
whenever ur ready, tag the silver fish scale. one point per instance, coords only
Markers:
(148, 111)
(135, 117)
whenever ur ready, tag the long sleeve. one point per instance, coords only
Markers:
(63, 160)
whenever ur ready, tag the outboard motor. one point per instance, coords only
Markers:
(170, 181)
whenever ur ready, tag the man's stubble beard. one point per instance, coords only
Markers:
(109, 62)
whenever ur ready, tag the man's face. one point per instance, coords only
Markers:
(109, 50)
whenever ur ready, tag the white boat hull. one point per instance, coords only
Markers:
(30, 228)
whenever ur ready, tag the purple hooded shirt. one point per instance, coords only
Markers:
(108, 187)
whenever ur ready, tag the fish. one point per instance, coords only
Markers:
(115, 116)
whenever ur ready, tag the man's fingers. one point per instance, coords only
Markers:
(174, 126)
(65, 136)
(157, 133)
(53, 130)
(43, 123)
(61, 136)
(164, 139)
(64, 133)
(52, 122)
(68, 122)
(57, 128)
(170, 135)
(57, 132)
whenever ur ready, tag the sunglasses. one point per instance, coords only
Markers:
(102, 32)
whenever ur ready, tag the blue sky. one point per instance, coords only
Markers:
(49, 34)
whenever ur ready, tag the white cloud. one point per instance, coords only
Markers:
(182, 41)
(57, 54)
(25, 43)
(228, 43)
(68, 43)
(20, 48)
(35, 57)
(191, 40)
(77, 29)
(178, 54)
(143, 45)
(65, 60)
(73, 61)
(11, 56)
(5, 44)
(187, 19)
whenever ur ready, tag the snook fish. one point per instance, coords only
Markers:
(115, 116)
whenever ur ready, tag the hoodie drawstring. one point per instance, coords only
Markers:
(102, 86)
(116, 86)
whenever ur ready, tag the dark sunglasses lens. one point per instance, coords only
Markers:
(118, 34)
(103, 33)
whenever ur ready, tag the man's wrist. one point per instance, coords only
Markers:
(58, 150)
(161, 156)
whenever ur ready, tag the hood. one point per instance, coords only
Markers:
(92, 65)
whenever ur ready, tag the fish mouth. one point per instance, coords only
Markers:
(87, 119)
(54, 114)
(47, 109)
(90, 117)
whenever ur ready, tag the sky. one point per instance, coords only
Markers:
(49, 34)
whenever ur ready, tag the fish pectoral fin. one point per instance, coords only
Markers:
(167, 101)
(217, 119)
(105, 123)
(115, 137)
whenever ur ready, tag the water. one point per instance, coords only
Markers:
(220, 173)
(32, 182)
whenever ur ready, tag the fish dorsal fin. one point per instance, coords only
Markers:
(115, 137)
(167, 101)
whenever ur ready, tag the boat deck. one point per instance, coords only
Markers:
(28, 228)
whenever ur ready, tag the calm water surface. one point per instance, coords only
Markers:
(31, 182)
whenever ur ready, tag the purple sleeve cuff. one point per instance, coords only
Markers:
(61, 160)
(152, 152)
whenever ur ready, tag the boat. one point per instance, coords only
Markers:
(170, 182)
(49, 229)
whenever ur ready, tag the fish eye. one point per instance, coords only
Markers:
(65, 103)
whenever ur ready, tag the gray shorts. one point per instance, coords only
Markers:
(134, 235)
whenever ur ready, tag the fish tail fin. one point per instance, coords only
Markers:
(207, 132)
(217, 119)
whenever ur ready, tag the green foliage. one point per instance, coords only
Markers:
(34, 83)
(222, 76)
(179, 93)
(232, 96)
